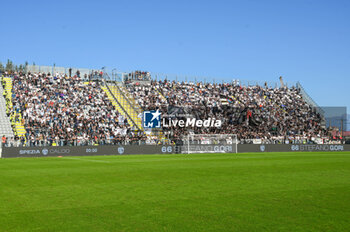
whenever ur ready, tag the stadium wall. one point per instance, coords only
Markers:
(13, 152)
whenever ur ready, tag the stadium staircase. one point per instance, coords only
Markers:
(137, 108)
(127, 105)
(5, 123)
(132, 107)
(121, 103)
(17, 124)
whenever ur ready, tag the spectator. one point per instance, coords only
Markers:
(254, 112)
(65, 111)
(3, 140)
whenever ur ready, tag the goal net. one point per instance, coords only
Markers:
(209, 143)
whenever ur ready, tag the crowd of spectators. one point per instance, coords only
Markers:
(95, 75)
(62, 110)
(138, 76)
(273, 115)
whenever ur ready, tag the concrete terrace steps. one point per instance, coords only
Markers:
(126, 105)
(130, 105)
(19, 128)
(115, 104)
(5, 123)
(136, 109)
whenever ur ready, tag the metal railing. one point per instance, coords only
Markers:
(309, 100)
(116, 86)
(61, 70)
(123, 106)
(121, 77)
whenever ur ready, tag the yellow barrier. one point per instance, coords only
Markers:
(18, 125)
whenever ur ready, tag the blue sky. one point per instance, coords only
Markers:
(306, 41)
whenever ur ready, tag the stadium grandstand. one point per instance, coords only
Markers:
(56, 106)
(175, 116)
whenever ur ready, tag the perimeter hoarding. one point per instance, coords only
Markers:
(8, 152)
(242, 148)
(12, 152)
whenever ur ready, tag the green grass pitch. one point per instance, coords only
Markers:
(199, 192)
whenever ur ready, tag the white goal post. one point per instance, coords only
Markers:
(210, 143)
